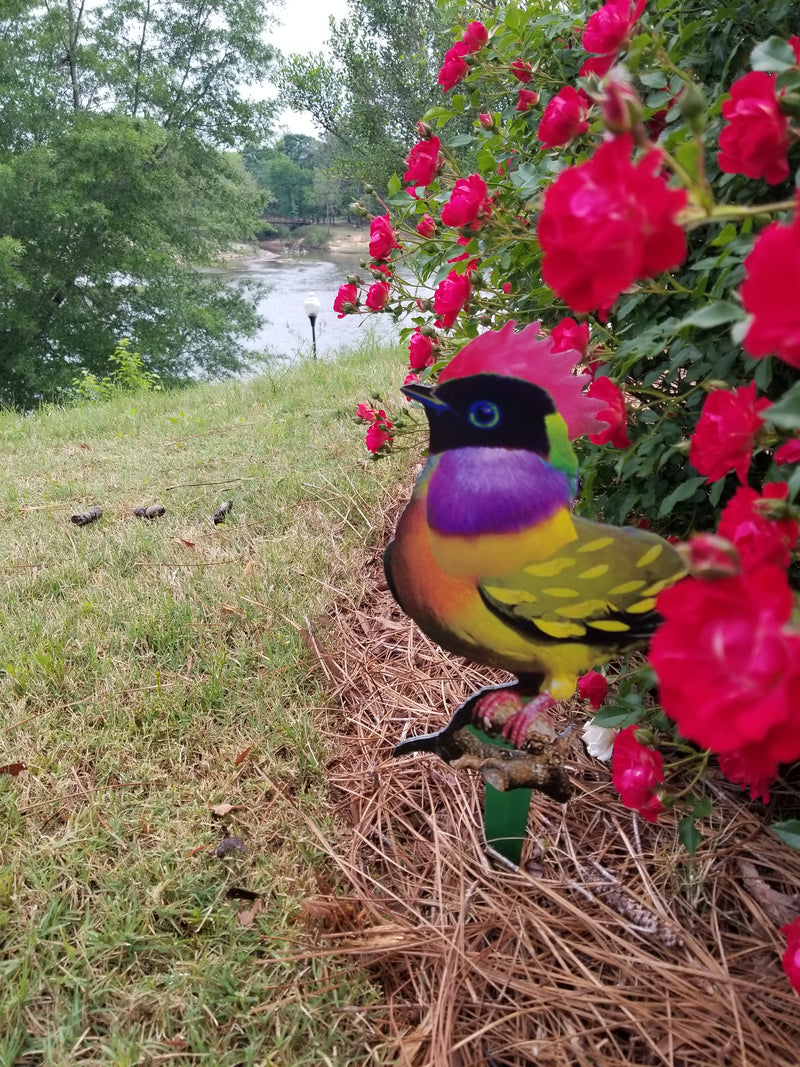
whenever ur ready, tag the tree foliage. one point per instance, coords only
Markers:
(379, 79)
(117, 179)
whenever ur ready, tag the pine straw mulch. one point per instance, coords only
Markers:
(609, 947)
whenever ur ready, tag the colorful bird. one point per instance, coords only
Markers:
(491, 562)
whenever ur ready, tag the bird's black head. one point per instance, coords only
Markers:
(485, 410)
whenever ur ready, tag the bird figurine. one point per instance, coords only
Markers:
(490, 560)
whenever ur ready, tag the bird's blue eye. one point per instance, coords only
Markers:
(484, 414)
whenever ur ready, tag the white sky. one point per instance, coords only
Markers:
(304, 29)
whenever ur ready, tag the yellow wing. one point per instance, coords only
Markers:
(599, 590)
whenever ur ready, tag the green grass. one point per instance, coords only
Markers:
(138, 662)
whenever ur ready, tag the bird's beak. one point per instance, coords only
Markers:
(425, 394)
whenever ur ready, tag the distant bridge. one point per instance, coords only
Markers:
(290, 220)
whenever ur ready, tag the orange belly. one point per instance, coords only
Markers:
(448, 607)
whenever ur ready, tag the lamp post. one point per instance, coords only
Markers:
(312, 306)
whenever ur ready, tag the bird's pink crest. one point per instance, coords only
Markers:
(529, 355)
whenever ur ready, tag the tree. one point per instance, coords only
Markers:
(298, 178)
(116, 182)
(380, 79)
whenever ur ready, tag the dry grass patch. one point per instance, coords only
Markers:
(609, 947)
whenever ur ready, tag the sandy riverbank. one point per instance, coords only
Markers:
(346, 241)
(246, 251)
(341, 240)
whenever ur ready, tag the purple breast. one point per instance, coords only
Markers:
(493, 490)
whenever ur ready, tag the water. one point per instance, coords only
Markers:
(286, 331)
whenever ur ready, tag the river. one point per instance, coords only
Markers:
(286, 332)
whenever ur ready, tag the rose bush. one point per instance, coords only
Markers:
(641, 207)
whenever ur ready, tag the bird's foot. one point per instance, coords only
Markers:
(522, 723)
(531, 723)
(511, 713)
(494, 707)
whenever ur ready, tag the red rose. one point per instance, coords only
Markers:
(454, 67)
(769, 293)
(423, 162)
(420, 350)
(378, 296)
(728, 669)
(621, 104)
(381, 237)
(599, 65)
(486, 119)
(467, 201)
(725, 432)
(789, 452)
(452, 293)
(526, 98)
(522, 71)
(426, 227)
(757, 538)
(755, 142)
(791, 957)
(608, 29)
(564, 117)
(608, 222)
(475, 37)
(594, 688)
(570, 336)
(378, 434)
(346, 301)
(614, 414)
(711, 556)
(365, 412)
(748, 767)
(636, 771)
(656, 124)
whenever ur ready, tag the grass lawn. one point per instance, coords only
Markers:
(156, 686)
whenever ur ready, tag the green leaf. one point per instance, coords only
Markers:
(689, 834)
(460, 140)
(714, 314)
(785, 413)
(715, 492)
(437, 113)
(394, 185)
(680, 492)
(688, 155)
(654, 80)
(763, 374)
(789, 80)
(774, 54)
(612, 716)
(788, 832)
(725, 236)
(659, 98)
(702, 806)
